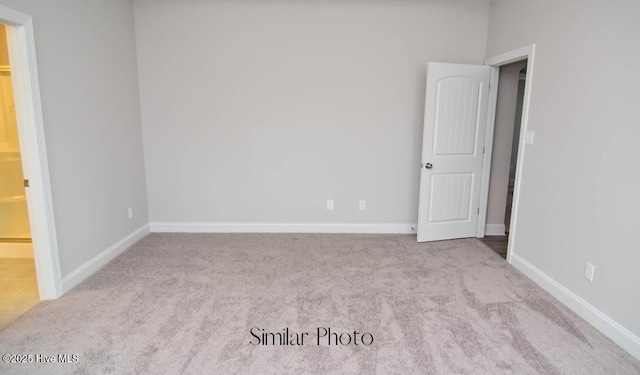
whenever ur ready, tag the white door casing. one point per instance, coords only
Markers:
(456, 105)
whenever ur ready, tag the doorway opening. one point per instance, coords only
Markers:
(18, 281)
(35, 188)
(506, 137)
(460, 114)
(525, 137)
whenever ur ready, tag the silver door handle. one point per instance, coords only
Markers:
(428, 165)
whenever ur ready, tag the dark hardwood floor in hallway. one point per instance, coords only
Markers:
(497, 244)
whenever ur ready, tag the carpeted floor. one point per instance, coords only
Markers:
(188, 303)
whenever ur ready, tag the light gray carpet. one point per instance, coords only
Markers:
(185, 303)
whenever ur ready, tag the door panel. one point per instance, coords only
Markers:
(452, 150)
(456, 190)
(455, 110)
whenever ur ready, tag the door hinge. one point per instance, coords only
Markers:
(483, 151)
(26, 183)
(478, 210)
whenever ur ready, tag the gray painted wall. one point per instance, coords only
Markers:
(88, 80)
(580, 185)
(257, 112)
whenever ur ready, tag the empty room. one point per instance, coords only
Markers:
(319, 187)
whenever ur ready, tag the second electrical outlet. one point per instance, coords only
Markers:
(329, 204)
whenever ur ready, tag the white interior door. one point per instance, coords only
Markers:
(455, 121)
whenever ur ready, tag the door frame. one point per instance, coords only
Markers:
(520, 54)
(26, 91)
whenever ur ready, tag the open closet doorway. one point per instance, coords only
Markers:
(506, 137)
(27, 109)
(18, 281)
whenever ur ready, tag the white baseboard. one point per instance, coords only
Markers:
(90, 267)
(609, 327)
(16, 250)
(161, 227)
(494, 230)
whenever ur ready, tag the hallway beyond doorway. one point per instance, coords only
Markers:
(18, 288)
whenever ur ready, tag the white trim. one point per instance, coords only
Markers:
(609, 327)
(16, 250)
(524, 53)
(26, 90)
(495, 230)
(13, 17)
(515, 55)
(89, 268)
(488, 152)
(164, 227)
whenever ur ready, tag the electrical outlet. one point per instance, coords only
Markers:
(130, 213)
(588, 271)
(362, 205)
(329, 204)
(529, 136)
